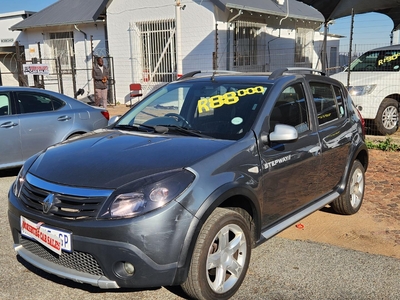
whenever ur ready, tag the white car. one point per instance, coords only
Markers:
(374, 87)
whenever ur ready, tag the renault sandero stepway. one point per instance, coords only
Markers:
(181, 188)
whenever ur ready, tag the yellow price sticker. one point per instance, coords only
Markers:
(229, 98)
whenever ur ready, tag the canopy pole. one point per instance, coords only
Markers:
(350, 48)
(324, 54)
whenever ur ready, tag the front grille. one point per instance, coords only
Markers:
(64, 206)
(79, 261)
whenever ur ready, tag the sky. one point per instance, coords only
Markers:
(370, 28)
(29, 5)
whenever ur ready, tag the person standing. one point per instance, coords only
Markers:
(100, 76)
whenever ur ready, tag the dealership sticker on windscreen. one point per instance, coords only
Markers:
(54, 239)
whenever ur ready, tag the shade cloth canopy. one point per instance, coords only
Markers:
(334, 9)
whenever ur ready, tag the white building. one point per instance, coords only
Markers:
(9, 54)
(65, 36)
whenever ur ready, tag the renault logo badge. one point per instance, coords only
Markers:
(48, 203)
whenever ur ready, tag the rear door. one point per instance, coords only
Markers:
(334, 129)
(290, 176)
(10, 143)
(43, 121)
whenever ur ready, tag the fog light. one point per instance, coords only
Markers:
(129, 268)
(359, 108)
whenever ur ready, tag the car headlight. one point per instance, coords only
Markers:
(147, 194)
(361, 90)
(19, 181)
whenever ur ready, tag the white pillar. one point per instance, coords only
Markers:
(178, 39)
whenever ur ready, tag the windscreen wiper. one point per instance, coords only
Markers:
(143, 127)
(162, 129)
(184, 130)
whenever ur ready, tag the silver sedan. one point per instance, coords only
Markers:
(32, 119)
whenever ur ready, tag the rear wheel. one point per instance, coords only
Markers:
(386, 121)
(221, 256)
(350, 201)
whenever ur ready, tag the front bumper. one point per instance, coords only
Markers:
(152, 243)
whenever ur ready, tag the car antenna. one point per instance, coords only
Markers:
(213, 75)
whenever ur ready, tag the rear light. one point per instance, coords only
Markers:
(106, 114)
(362, 121)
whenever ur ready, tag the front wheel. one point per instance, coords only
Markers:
(386, 121)
(220, 258)
(350, 201)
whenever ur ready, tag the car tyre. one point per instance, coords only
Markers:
(350, 201)
(386, 121)
(220, 258)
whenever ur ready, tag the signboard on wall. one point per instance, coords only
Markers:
(7, 40)
(35, 69)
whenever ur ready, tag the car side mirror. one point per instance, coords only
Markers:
(113, 120)
(283, 133)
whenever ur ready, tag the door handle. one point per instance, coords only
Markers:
(315, 150)
(8, 124)
(64, 118)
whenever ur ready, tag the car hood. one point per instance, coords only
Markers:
(108, 159)
(364, 78)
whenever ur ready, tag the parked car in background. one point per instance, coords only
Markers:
(33, 119)
(181, 188)
(374, 87)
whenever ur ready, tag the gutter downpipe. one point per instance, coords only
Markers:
(131, 52)
(279, 35)
(228, 65)
(86, 60)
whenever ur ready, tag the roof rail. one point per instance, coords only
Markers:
(279, 72)
(188, 75)
(191, 74)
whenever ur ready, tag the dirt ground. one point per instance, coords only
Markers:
(374, 229)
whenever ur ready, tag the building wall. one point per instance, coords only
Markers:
(82, 51)
(197, 23)
(8, 59)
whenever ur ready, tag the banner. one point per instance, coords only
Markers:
(35, 69)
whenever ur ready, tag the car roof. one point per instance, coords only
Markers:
(391, 47)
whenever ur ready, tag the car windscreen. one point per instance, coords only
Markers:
(224, 110)
(377, 61)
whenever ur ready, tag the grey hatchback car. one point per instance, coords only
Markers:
(32, 119)
(181, 188)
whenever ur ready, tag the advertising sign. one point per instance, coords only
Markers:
(35, 69)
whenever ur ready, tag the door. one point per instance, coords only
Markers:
(335, 131)
(290, 169)
(10, 145)
(44, 121)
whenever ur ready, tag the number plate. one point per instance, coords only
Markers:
(54, 239)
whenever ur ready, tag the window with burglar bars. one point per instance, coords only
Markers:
(245, 43)
(304, 47)
(61, 44)
(158, 50)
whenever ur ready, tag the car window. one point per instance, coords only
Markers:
(5, 107)
(384, 60)
(291, 109)
(36, 102)
(328, 102)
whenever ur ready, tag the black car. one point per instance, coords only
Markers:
(181, 188)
